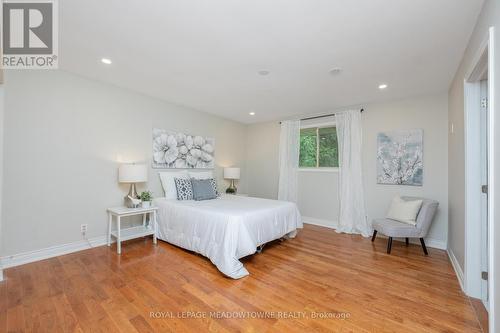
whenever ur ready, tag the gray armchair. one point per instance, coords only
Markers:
(393, 228)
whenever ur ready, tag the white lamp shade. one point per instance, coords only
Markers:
(231, 173)
(133, 173)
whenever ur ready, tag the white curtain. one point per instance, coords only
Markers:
(352, 217)
(289, 160)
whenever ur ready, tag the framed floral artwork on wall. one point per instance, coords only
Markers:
(182, 151)
(399, 157)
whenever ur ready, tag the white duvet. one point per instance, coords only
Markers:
(226, 229)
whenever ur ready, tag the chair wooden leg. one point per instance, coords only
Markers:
(423, 246)
(374, 235)
(407, 241)
(389, 245)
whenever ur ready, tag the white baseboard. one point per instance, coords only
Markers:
(319, 222)
(50, 252)
(58, 250)
(430, 242)
(457, 268)
(434, 243)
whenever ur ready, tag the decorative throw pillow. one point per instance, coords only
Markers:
(404, 211)
(203, 189)
(184, 189)
(214, 186)
(168, 183)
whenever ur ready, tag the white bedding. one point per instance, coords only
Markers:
(226, 229)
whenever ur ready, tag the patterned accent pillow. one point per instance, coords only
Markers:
(214, 186)
(184, 189)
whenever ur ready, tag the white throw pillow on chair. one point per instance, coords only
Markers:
(404, 211)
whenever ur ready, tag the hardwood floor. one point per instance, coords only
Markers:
(318, 273)
(481, 313)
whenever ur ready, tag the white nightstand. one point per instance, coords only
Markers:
(143, 230)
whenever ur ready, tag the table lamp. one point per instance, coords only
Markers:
(132, 174)
(231, 174)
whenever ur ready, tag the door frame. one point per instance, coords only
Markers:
(473, 246)
(484, 60)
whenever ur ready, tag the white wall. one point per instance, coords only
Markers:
(489, 17)
(430, 114)
(262, 159)
(63, 137)
(318, 196)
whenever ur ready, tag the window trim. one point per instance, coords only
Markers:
(318, 168)
(320, 125)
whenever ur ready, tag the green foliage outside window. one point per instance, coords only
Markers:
(308, 144)
(318, 148)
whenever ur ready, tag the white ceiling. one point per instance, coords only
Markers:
(206, 54)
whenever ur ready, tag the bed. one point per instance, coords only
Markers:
(226, 229)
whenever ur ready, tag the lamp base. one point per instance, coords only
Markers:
(132, 192)
(232, 188)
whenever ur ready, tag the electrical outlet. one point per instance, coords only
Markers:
(83, 228)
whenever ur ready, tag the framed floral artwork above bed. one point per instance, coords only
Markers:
(177, 150)
(399, 157)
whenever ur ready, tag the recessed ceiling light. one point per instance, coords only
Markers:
(263, 72)
(335, 71)
(252, 113)
(382, 86)
(106, 61)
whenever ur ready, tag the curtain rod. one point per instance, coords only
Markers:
(322, 116)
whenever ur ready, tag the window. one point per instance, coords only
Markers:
(319, 147)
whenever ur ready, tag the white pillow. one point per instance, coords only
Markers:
(201, 174)
(404, 211)
(168, 184)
